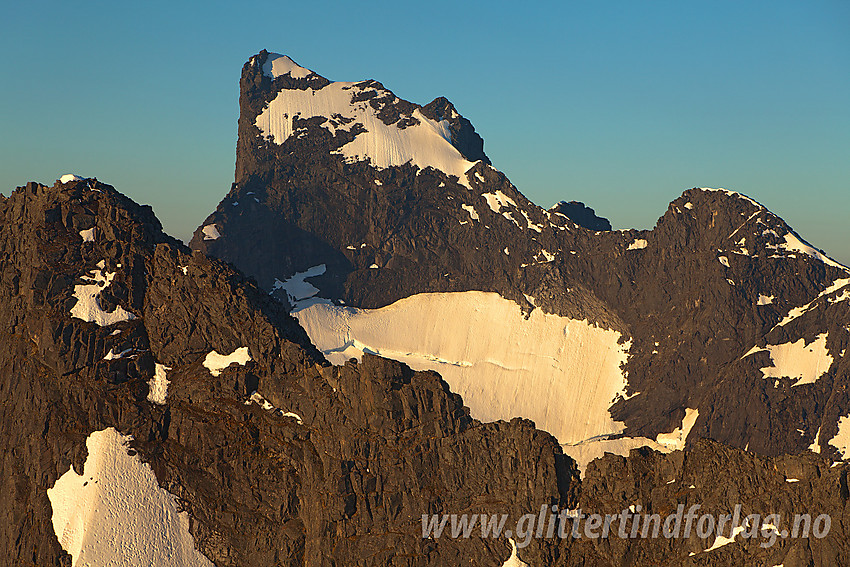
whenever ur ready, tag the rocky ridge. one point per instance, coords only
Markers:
(374, 446)
(702, 296)
(287, 460)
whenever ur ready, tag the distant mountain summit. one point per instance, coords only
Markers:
(581, 214)
(356, 207)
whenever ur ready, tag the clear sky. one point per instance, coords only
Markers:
(620, 104)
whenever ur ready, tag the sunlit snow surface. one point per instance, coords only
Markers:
(841, 441)
(721, 540)
(803, 362)
(791, 242)
(278, 65)
(794, 244)
(675, 440)
(116, 514)
(473, 214)
(211, 232)
(765, 299)
(799, 311)
(424, 144)
(69, 177)
(561, 373)
(158, 385)
(514, 560)
(88, 306)
(87, 235)
(216, 363)
(258, 399)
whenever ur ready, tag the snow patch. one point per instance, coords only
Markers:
(795, 244)
(473, 214)
(88, 306)
(115, 513)
(638, 244)
(509, 215)
(215, 362)
(158, 385)
(799, 311)
(675, 440)
(723, 260)
(87, 235)
(69, 177)
(562, 373)
(733, 194)
(803, 362)
(531, 225)
(843, 297)
(720, 541)
(112, 355)
(765, 299)
(211, 232)
(514, 560)
(296, 288)
(498, 200)
(258, 399)
(277, 65)
(815, 446)
(841, 441)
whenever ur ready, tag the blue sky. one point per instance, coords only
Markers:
(621, 104)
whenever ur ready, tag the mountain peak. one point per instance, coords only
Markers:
(285, 106)
(277, 65)
(581, 214)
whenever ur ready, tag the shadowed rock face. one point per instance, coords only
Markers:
(581, 214)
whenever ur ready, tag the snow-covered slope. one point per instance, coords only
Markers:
(412, 138)
(561, 373)
(115, 513)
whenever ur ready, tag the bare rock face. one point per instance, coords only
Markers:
(581, 214)
(374, 445)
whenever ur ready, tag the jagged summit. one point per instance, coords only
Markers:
(324, 218)
(363, 120)
(581, 214)
(277, 65)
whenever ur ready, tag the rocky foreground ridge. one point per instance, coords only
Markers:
(372, 445)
